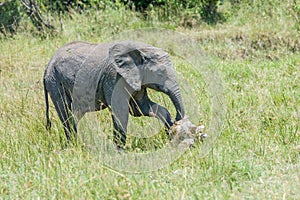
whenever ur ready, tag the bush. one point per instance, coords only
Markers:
(10, 16)
(185, 13)
(206, 10)
(58, 6)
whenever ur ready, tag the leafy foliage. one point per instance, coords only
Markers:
(186, 12)
(59, 6)
(10, 16)
(174, 13)
(203, 9)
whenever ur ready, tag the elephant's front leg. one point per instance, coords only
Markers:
(120, 112)
(160, 112)
(120, 129)
(143, 106)
(146, 107)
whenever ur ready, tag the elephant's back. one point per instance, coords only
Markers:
(70, 58)
(83, 50)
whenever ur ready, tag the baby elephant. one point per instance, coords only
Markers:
(83, 77)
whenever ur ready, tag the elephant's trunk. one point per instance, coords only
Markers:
(174, 94)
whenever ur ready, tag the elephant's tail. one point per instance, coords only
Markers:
(48, 123)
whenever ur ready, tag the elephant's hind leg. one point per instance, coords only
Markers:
(62, 103)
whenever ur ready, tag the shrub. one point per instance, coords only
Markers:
(206, 10)
(10, 16)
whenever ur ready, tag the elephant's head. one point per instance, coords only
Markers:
(144, 65)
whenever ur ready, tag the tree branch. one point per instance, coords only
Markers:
(35, 15)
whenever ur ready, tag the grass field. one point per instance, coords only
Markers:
(256, 156)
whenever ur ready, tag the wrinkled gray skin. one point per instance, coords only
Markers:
(122, 67)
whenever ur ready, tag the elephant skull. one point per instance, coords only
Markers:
(185, 133)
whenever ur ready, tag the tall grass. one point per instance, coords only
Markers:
(256, 156)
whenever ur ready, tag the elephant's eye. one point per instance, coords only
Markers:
(123, 61)
(145, 60)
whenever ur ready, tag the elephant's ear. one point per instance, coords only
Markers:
(127, 62)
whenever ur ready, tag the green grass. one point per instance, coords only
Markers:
(257, 155)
